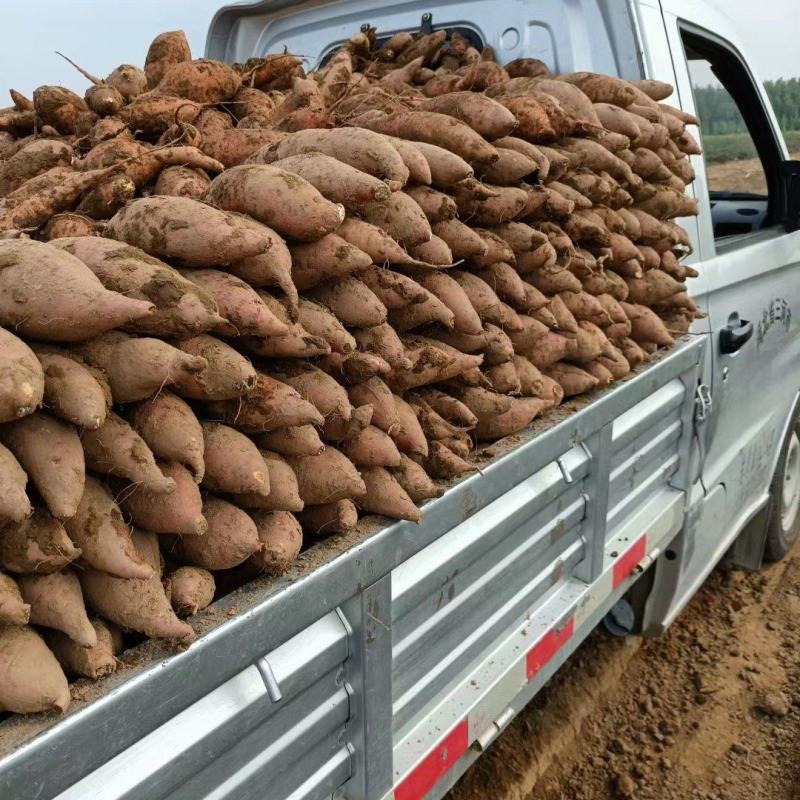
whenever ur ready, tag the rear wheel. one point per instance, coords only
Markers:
(783, 527)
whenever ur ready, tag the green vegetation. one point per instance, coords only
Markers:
(735, 146)
(720, 115)
(725, 136)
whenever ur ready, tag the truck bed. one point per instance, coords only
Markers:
(353, 667)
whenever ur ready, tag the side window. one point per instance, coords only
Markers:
(741, 153)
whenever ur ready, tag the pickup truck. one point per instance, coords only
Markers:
(387, 661)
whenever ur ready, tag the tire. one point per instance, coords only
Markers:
(783, 527)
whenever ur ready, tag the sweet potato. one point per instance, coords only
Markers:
(371, 448)
(385, 496)
(383, 341)
(50, 453)
(434, 251)
(554, 282)
(432, 128)
(56, 601)
(226, 374)
(170, 429)
(281, 538)
(449, 292)
(414, 480)
(646, 326)
(615, 362)
(87, 662)
(280, 199)
(315, 386)
(166, 50)
(436, 205)
(654, 287)
(21, 378)
(447, 168)
(70, 305)
(296, 343)
(481, 296)
(202, 80)
(573, 380)
(13, 609)
(485, 116)
(139, 604)
(407, 433)
(361, 149)
(138, 367)
(269, 405)
(179, 181)
(489, 205)
(328, 258)
(36, 545)
(548, 349)
(376, 243)
(504, 378)
(31, 680)
(61, 226)
(400, 217)
(232, 462)
(180, 511)
(329, 518)
(238, 304)
(283, 495)
(520, 414)
(418, 169)
(98, 529)
(295, 440)
(33, 159)
(532, 153)
(14, 503)
(444, 464)
(191, 589)
(230, 540)
(352, 302)
(393, 289)
(199, 235)
(376, 393)
(326, 478)
(320, 322)
(116, 449)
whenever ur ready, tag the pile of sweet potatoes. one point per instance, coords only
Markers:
(240, 304)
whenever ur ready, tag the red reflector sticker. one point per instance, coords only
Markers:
(435, 765)
(624, 566)
(547, 647)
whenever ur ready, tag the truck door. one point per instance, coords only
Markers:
(751, 266)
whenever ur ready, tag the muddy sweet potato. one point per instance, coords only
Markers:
(99, 530)
(283, 495)
(233, 464)
(361, 149)
(329, 518)
(187, 231)
(230, 540)
(171, 430)
(21, 378)
(327, 477)
(56, 601)
(328, 258)
(70, 305)
(139, 604)
(294, 440)
(50, 453)
(166, 50)
(191, 589)
(280, 199)
(13, 609)
(385, 496)
(226, 375)
(116, 449)
(351, 301)
(281, 538)
(14, 503)
(87, 662)
(270, 404)
(36, 545)
(137, 368)
(179, 511)
(31, 680)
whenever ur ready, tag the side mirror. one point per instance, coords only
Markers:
(790, 191)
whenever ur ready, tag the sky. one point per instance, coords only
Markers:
(101, 34)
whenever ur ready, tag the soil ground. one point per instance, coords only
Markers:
(709, 711)
(743, 175)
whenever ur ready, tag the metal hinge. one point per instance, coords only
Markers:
(703, 403)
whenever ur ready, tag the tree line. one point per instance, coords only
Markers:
(719, 113)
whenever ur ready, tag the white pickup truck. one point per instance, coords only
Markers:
(385, 663)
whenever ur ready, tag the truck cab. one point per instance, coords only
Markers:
(383, 665)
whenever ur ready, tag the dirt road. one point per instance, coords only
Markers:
(710, 711)
(744, 175)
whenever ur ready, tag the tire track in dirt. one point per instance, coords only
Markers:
(710, 711)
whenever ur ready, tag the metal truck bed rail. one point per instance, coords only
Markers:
(376, 654)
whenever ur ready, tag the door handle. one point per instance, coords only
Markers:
(735, 334)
